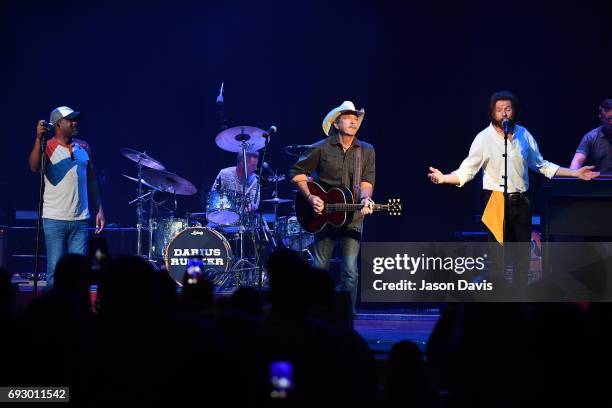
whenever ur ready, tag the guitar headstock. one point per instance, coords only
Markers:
(394, 207)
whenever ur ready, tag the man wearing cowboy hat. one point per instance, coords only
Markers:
(333, 162)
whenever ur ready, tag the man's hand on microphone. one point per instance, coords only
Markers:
(41, 129)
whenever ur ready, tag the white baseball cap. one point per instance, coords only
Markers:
(62, 112)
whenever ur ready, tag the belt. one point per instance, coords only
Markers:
(516, 196)
(511, 196)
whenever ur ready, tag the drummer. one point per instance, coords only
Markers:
(232, 179)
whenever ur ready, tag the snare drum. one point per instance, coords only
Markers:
(162, 232)
(198, 242)
(223, 207)
(291, 234)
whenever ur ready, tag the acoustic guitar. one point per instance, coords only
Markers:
(339, 207)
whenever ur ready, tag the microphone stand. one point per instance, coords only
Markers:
(506, 130)
(43, 165)
(262, 227)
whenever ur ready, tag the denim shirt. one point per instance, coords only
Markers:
(326, 161)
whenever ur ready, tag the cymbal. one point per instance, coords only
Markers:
(168, 182)
(231, 139)
(142, 158)
(136, 180)
(277, 200)
(197, 215)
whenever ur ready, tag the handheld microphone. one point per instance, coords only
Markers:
(270, 131)
(48, 127)
(506, 125)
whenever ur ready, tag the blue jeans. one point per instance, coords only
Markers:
(349, 253)
(61, 238)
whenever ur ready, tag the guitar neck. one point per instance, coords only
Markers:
(353, 207)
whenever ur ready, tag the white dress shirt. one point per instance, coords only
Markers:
(487, 152)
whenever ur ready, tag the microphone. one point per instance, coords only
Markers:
(296, 150)
(506, 125)
(270, 131)
(266, 166)
(296, 146)
(219, 103)
(220, 97)
(48, 127)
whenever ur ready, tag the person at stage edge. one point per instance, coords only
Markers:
(332, 161)
(69, 176)
(596, 146)
(487, 152)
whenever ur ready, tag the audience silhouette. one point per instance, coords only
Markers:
(149, 342)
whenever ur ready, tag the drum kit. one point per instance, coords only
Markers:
(228, 239)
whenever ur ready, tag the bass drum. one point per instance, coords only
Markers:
(203, 243)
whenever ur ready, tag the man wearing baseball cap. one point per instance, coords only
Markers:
(333, 161)
(69, 175)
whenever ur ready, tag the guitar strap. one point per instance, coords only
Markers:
(357, 175)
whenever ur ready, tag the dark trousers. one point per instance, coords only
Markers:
(517, 239)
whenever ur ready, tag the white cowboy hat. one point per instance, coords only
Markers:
(347, 106)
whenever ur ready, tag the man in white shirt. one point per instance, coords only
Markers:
(69, 175)
(487, 152)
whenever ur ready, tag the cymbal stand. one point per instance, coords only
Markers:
(140, 200)
(275, 178)
(149, 196)
(151, 204)
(139, 211)
(242, 265)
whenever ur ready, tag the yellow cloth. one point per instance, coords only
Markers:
(493, 215)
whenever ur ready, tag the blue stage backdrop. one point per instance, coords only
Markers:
(146, 76)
